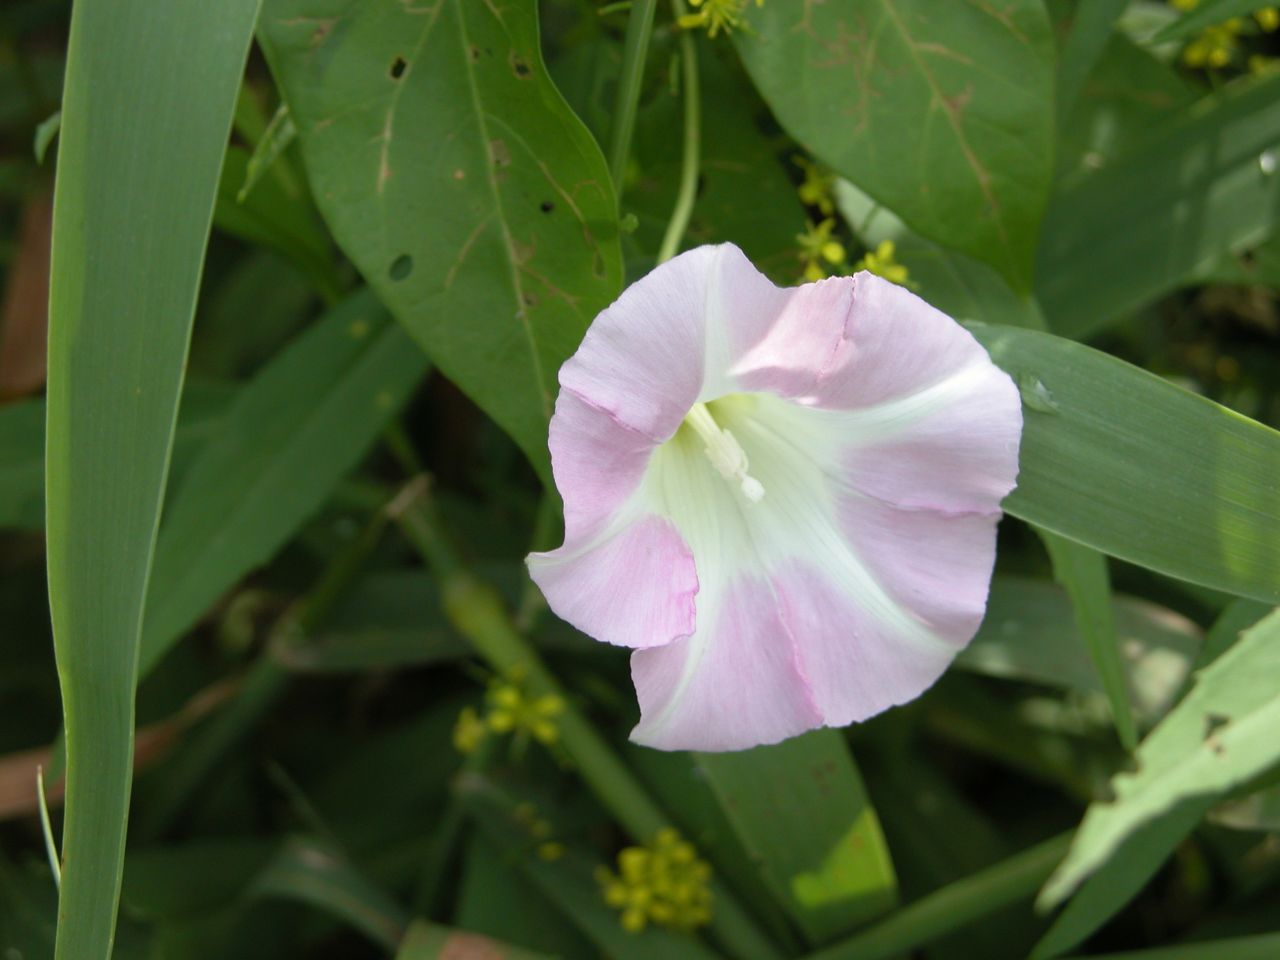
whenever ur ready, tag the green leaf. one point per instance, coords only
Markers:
(275, 140)
(801, 812)
(1105, 893)
(1122, 461)
(295, 430)
(454, 175)
(1090, 32)
(1083, 573)
(1221, 735)
(1128, 93)
(429, 941)
(942, 112)
(145, 117)
(45, 133)
(1029, 634)
(1206, 14)
(957, 285)
(22, 427)
(1200, 186)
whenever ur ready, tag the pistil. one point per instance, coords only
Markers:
(725, 453)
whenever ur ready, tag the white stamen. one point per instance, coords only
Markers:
(725, 453)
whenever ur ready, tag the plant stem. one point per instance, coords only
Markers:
(954, 906)
(639, 30)
(477, 611)
(688, 190)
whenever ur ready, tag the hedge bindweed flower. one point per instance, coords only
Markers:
(783, 500)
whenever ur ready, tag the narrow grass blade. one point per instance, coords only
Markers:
(1083, 574)
(146, 112)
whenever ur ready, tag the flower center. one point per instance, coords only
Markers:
(725, 453)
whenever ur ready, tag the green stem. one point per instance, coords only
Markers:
(954, 906)
(688, 190)
(477, 612)
(639, 30)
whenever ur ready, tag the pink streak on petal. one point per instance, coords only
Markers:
(743, 687)
(893, 345)
(960, 457)
(634, 589)
(857, 665)
(642, 358)
(598, 463)
(936, 566)
(803, 340)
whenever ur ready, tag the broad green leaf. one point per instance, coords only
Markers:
(1262, 947)
(942, 112)
(1206, 14)
(22, 428)
(1029, 634)
(954, 283)
(1083, 574)
(145, 117)
(451, 171)
(314, 872)
(1198, 187)
(801, 812)
(1221, 735)
(1128, 93)
(1122, 461)
(1260, 265)
(1089, 33)
(294, 431)
(430, 941)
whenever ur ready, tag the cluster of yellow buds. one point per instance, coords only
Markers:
(881, 262)
(1217, 45)
(816, 189)
(509, 709)
(715, 15)
(664, 883)
(818, 246)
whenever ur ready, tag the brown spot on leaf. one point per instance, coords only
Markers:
(546, 206)
(519, 66)
(459, 174)
(499, 154)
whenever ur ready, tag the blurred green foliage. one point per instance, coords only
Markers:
(413, 224)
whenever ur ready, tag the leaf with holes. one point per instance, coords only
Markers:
(941, 111)
(458, 180)
(1220, 736)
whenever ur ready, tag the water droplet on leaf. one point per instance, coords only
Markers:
(1035, 395)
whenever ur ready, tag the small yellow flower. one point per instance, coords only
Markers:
(881, 262)
(663, 883)
(511, 710)
(468, 731)
(1186, 6)
(715, 15)
(1214, 47)
(1268, 18)
(817, 246)
(816, 189)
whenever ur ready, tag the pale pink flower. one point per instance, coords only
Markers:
(783, 500)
